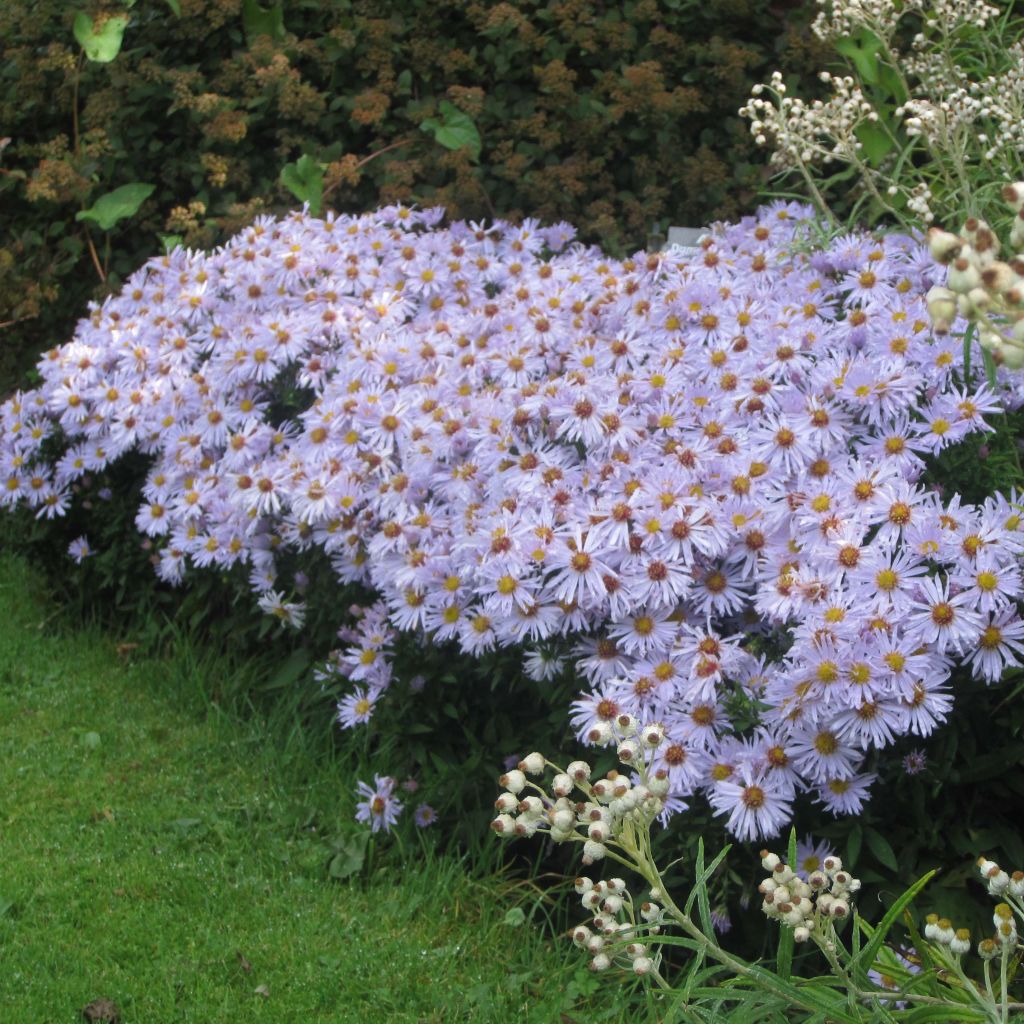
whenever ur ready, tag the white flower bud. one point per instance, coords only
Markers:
(581, 933)
(562, 784)
(1017, 884)
(1014, 194)
(963, 275)
(583, 884)
(801, 934)
(793, 918)
(600, 962)
(616, 885)
(961, 942)
(600, 735)
(629, 751)
(642, 965)
(650, 911)
(832, 865)
(817, 880)
(579, 770)
(562, 820)
(560, 835)
(839, 908)
(658, 784)
(504, 825)
(514, 781)
(593, 851)
(1013, 357)
(943, 244)
(526, 826)
(626, 724)
(533, 764)
(595, 944)
(612, 904)
(998, 881)
(653, 735)
(531, 806)
(769, 861)
(599, 832)
(507, 802)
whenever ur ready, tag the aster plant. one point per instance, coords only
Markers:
(692, 480)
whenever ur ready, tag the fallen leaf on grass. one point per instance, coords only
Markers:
(243, 963)
(104, 1010)
(262, 990)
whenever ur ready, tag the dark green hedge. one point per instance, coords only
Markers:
(613, 116)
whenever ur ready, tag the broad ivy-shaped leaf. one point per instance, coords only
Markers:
(117, 205)
(260, 22)
(101, 44)
(305, 180)
(875, 140)
(454, 129)
(862, 49)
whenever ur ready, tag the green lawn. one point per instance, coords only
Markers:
(156, 853)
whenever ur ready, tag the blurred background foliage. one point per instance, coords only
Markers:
(618, 117)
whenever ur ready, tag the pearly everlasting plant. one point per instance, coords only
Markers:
(694, 481)
(634, 927)
(930, 95)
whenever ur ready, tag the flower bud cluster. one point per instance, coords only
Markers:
(618, 925)
(802, 905)
(940, 930)
(608, 803)
(1011, 888)
(988, 291)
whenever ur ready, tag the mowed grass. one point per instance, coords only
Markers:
(161, 855)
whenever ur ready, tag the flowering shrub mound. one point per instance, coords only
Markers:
(691, 479)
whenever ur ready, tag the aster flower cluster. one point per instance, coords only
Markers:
(805, 905)
(641, 470)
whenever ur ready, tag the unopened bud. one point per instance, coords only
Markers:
(513, 781)
(533, 764)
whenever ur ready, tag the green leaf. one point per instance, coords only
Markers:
(175, 6)
(170, 242)
(514, 917)
(349, 856)
(853, 844)
(862, 49)
(117, 205)
(91, 740)
(866, 958)
(455, 130)
(875, 140)
(990, 368)
(879, 846)
(289, 672)
(305, 180)
(259, 22)
(103, 44)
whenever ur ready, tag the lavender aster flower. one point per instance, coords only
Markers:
(380, 807)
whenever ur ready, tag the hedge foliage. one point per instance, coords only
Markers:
(613, 116)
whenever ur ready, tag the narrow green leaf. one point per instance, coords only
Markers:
(853, 844)
(699, 892)
(117, 205)
(866, 958)
(968, 339)
(101, 44)
(880, 847)
(175, 6)
(990, 367)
